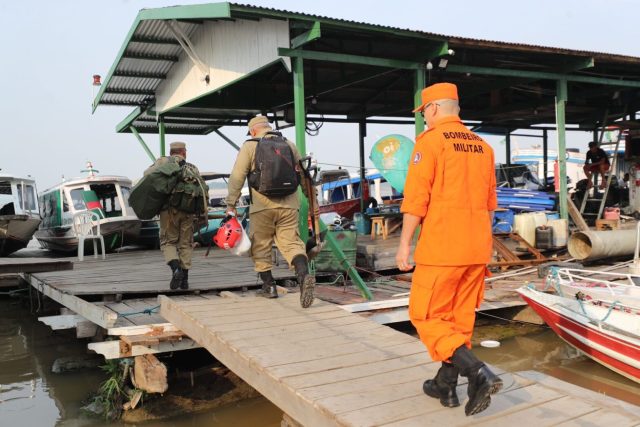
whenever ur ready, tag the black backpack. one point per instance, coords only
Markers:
(275, 173)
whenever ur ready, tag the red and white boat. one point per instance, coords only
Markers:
(607, 333)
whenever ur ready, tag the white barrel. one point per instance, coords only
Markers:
(560, 232)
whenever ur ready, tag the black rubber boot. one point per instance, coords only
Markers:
(482, 382)
(443, 386)
(269, 289)
(306, 281)
(177, 274)
(185, 279)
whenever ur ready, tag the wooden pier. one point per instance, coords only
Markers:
(324, 366)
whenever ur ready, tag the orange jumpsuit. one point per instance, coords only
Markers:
(451, 186)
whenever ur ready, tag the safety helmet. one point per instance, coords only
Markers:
(229, 233)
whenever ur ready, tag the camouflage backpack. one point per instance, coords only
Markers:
(190, 193)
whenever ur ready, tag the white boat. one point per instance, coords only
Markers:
(615, 289)
(610, 335)
(108, 196)
(19, 214)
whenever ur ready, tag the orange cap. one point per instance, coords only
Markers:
(437, 91)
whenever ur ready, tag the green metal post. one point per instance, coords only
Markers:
(226, 138)
(161, 133)
(507, 139)
(417, 99)
(545, 155)
(301, 124)
(561, 100)
(134, 131)
(362, 126)
(351, 270)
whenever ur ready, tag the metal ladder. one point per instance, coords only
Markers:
(594, 188)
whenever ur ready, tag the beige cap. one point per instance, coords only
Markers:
(177, 146)
(257, 120)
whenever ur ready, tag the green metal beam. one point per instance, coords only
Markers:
(161, 133)
(197, 11)
(301, 126)
(561, 101)
(541, 75)
(309, 36)
(417, 99)
(134, 131)
(349, 59)
(229, 141)
(127, 121)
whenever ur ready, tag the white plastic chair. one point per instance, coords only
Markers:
(83, 226)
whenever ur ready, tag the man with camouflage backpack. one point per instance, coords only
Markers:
(187, 201)
(270, 163)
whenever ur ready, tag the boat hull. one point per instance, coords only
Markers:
(613, 350)
(15, 232)
(117, 232)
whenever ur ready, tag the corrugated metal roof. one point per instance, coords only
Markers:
(154, 47)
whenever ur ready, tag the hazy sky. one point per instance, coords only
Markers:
(52, 48)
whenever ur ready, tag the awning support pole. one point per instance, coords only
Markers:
(507, 140)
(561, 100)
(161, 133)
(545, 155)
(362, 126)
(301, 125)
(226, 138)
(417, 100)
(135, 133)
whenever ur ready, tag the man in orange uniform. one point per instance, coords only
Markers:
(450, 193)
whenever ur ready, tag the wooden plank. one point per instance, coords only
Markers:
(65, 321)
(602, 417)
(576, 216)
(95, 313)
(111, 349)
(412, 411)
(546, 414)
(33, 265)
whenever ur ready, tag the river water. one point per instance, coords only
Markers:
(30, 395)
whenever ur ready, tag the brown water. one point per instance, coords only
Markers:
(30, 395)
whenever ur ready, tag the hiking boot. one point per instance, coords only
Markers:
(306, 281)
(185, 280)
(482, 382)
(177, 274)
(269, 289)
(443, 386)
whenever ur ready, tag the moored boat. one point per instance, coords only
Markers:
(19, 213)
(107, 196)
(608, 334)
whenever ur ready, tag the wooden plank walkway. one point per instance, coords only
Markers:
(324, 366)
(143, 272)
(33, 265)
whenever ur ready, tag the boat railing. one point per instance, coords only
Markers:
(574, 275)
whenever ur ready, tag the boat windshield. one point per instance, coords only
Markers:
(107, 195)
(6, 199)
(27, 197)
